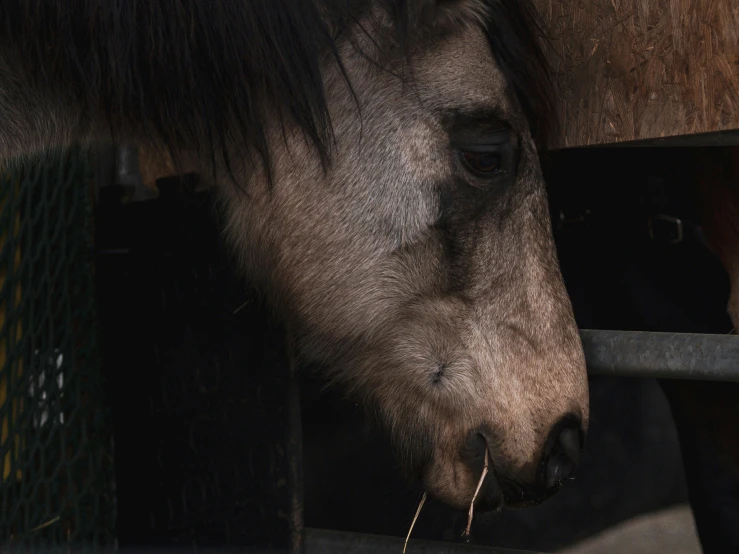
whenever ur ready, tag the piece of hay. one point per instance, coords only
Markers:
(477, 491)
(45, 525)
(413, 523)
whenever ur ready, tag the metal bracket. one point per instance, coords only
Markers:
(666, 227)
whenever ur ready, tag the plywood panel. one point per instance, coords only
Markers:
(643, 69)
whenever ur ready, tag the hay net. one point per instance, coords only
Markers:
(56, 464)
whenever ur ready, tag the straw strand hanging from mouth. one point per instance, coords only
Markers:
(477, 491)
(413, 523)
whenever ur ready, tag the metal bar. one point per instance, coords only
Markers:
(663, 355)
(320, 541)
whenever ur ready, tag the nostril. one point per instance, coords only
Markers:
(569, 442)
(562, 459)
(561, 454)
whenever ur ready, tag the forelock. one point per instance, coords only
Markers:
(208, 77)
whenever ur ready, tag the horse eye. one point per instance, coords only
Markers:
(485, 164)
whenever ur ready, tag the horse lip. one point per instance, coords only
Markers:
(512, 496)
(516, 497)
(483, 503)
(522, 505)
(497, 506)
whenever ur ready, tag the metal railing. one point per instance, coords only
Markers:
(662, 355)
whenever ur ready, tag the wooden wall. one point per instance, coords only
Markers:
(642, 69)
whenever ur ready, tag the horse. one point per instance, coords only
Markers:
(377, 168)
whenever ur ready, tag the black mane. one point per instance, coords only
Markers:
(201, 74)
(516, 37)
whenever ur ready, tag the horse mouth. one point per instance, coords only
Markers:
(520, 502)
(518, 497)
(487, 504)
(489, 495)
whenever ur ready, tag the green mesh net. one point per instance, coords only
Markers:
(56, 464)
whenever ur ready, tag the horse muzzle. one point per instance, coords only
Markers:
(558, 461)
